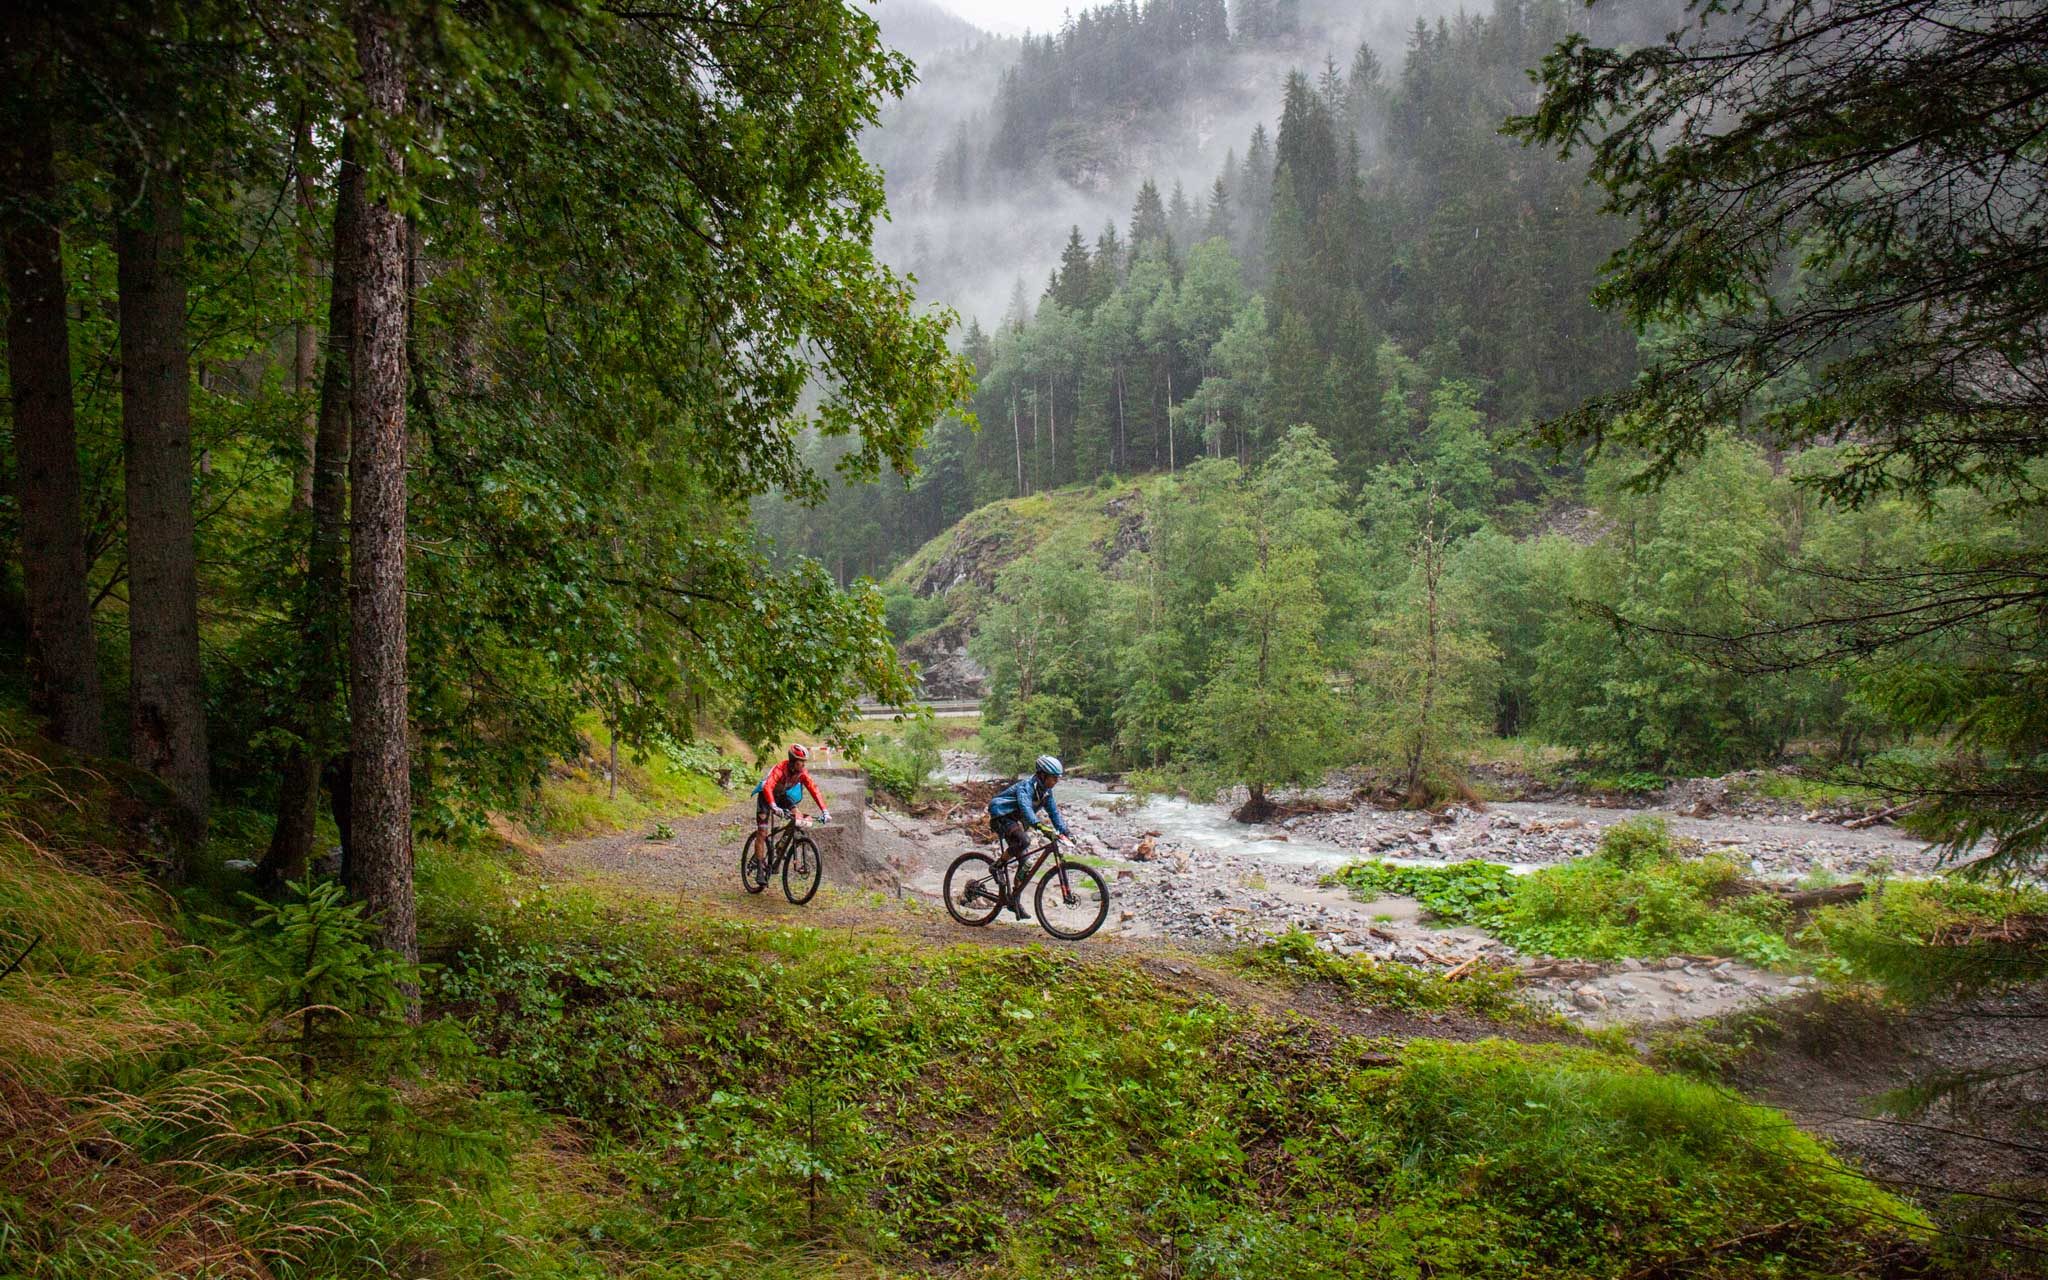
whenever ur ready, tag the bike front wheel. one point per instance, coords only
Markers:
(1072, 901)
(801, 871)
(754, 864)
(974, 893)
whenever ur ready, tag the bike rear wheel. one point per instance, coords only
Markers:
(754, 875)
(974, 893)
(802, 869)
(1072, 901)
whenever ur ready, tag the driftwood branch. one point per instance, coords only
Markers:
(18, 960)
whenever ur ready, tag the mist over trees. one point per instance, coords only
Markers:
(1307, 283)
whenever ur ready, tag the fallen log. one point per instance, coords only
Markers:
(1800, 899)
(1808, 899)
(1882, 815)
(1559, 969)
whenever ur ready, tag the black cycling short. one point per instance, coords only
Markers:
(1015, 835)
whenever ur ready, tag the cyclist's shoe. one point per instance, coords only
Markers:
(1017, 906)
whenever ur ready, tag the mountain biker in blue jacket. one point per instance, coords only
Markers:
(1013, 812)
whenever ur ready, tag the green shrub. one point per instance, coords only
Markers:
(901, 765)
(1637, 842)
(1924, 939)
(1628, 782)
(1486, 991)
(1639, 896)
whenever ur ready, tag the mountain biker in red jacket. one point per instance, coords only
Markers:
(783, 790)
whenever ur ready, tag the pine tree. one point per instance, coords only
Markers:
(1072, 287)
(1149, 224)
(313, 719)
(380, 770)
(1307, 144)
(1180, 216)
(167, 710)
(1216, 226)
(1332, 89)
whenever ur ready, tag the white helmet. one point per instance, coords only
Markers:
(1050, 766)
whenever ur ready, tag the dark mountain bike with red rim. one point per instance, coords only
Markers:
(1072, 899)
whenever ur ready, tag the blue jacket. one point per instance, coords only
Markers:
(1023, 799)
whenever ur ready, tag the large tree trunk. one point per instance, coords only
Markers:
(320, 618)
(381, 778)
(64, 678)
(305, 334)
(166, 713)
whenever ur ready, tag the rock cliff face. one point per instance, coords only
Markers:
(945, 667)
(981, 549)
(961, 568)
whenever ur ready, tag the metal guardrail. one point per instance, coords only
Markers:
(939, 706)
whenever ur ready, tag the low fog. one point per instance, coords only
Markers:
(970, 254)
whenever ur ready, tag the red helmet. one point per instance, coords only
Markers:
(798, 751)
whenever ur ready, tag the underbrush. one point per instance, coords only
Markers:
(1622, 782)
(202, 1087)
(185, 1093)
(1293, 957)
(1808, 790)
(664, 780)
(1025, 1113)
(1644, 894)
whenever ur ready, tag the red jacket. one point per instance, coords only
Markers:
(785, 787)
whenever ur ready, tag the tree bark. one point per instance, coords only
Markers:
(305, 334)
(1123, 439)
(381, 780)
(320, 622)
(1052, 418)
(63, 667)
(1171, 464)
(167, 713)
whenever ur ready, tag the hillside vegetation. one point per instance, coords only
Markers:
(620, 1086)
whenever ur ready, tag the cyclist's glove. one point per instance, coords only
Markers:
(824, 815)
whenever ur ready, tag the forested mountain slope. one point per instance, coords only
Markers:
(1366, 240)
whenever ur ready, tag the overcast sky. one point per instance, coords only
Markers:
(1012, 17)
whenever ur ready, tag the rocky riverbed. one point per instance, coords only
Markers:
(1189, 872)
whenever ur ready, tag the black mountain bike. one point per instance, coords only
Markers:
(1072, 900)
(789, 851)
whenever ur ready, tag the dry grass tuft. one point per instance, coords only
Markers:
(207, 1169)
(78, 928)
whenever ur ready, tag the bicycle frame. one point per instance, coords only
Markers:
(779, 838)
(1030, 869)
